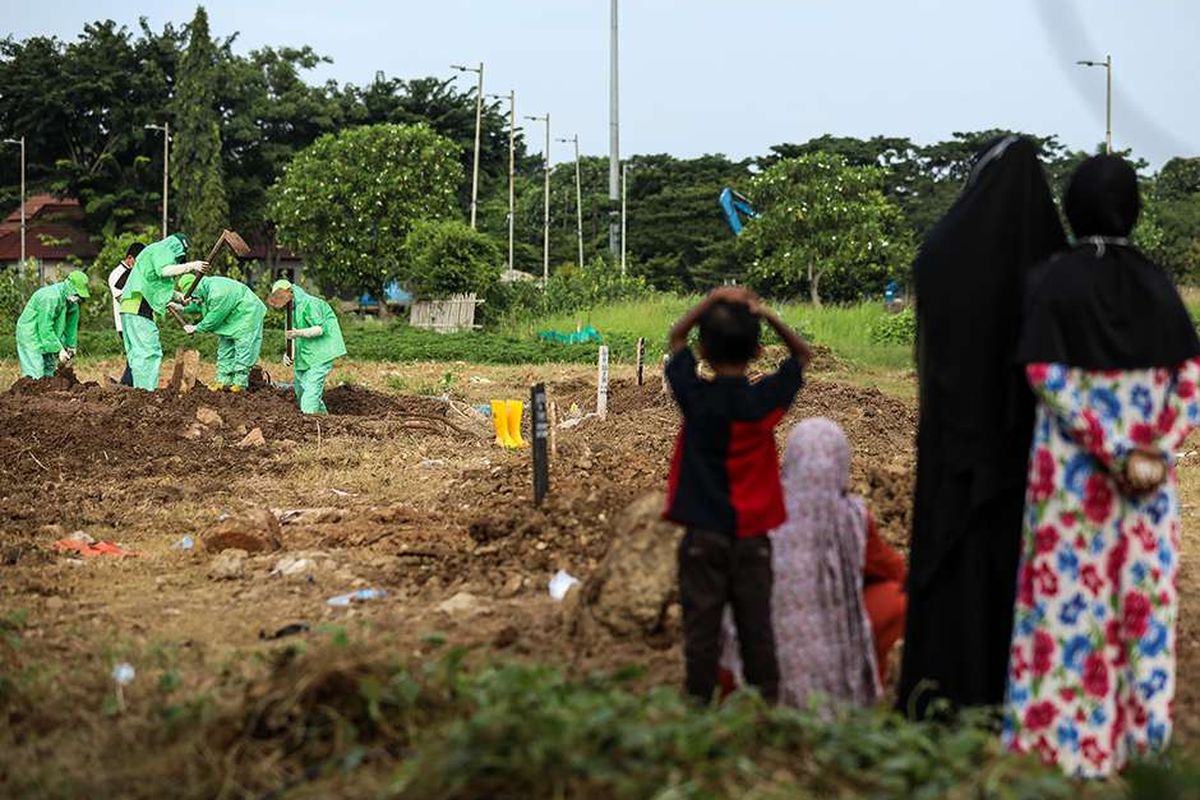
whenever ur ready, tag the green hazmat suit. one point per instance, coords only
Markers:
(49, 323)
(146, 283)
(235, 314)
(313, 359)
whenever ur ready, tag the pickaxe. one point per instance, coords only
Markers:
(236, 243)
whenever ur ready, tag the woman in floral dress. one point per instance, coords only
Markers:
(1111, 355)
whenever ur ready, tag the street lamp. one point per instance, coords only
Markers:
(624, 198)
(512, 167)
(21, 142)
(165, 128)
(1107, 64)
(545, 202)
(478, 120)
(578, 198)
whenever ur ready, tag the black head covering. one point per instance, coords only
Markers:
(1104, 305)
(969, 279)
(976, 410)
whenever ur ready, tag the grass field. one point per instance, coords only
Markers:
(846, 330)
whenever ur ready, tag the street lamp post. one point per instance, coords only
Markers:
(21, 142)
(624, 199)
(578, 198)
(545, 203)
(1107, 64)
(165, 128)
(478, 121)
(512, 168)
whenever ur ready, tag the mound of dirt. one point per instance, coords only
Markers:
(64, 380)
(358, 401)
(629, 593)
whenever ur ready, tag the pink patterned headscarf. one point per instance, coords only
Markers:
(822, 633)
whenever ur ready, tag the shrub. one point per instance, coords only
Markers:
(449, 257)
(899, 328)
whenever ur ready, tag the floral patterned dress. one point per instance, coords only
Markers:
(1092, 667)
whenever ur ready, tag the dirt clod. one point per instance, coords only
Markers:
(253, 439)
(228, 565)
(209, 417)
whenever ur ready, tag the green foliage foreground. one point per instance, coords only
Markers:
(348, 722)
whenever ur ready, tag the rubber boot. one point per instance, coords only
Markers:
(500, 422)
(516, 410)
(235, 389)
(217, 386)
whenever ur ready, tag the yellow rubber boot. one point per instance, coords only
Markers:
(516, 410)
(235, 389)
(216, 386)
(500, 422)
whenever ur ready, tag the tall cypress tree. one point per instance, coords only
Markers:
(196, 177)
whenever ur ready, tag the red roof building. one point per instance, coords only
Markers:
(54, 232)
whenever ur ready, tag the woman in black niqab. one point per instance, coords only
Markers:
(975, 426)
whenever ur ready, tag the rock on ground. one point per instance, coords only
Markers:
(255, 532)
(253, 439)
(630, 591)
(228, 565)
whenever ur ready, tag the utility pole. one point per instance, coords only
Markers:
(624, 198)
(578, 198)
(545, 203)
(21, 141)
(478, 121)
(512, 168)
(1107, 64)
(614, 133)
(166, 132)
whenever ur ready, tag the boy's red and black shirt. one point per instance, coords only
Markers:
(725, 470)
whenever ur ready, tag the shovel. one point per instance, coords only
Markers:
(236, 243)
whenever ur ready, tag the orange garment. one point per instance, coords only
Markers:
(884, 573)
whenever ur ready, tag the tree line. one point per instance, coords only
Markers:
(238, 122)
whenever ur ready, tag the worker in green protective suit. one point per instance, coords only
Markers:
(318, 341)
(149, 288)
(235, 314)
(48, 328)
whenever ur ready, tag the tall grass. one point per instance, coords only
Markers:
(846, 330)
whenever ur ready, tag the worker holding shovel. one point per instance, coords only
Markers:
(48, 328)
(317, 338)
(147, 292)
(235, 314)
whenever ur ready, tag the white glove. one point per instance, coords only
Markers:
(64, 356)
(304, 333)
(74, 298)
(287, 360)
(174, 306)
(189, 329)
(199, 267)
(70, 352)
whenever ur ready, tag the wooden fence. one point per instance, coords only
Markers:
(445, 316)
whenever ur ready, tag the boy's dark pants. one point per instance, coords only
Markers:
(715, 569)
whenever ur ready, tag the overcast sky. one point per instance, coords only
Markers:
(736, 76)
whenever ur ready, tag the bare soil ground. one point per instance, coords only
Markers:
(401, 493)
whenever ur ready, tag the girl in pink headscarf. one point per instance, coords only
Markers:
(820, 556)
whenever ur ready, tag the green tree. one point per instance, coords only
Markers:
(447, 257)
(347, 202)
(81, 106)
(824, 226)
(1173, 204)
(197, 181)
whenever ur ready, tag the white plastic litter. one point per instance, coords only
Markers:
(186, 543)
(561, 583)
(124, 673)
(359, 596)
